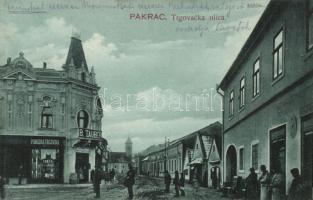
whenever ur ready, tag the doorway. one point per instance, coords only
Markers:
(215, 176)
(278, 150)
(82, 167)
(231, 163)
(307, 150)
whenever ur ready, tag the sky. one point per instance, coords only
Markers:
(157, 77)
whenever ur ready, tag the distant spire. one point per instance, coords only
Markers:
(128, 141)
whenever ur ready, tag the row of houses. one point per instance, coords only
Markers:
(197, 155)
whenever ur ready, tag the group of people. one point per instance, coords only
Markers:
(97, 175)
(178, 182)
(270, 185)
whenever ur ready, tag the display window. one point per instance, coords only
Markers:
(45, 164)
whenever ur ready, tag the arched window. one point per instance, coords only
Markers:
(83, 76)
(82, 119)
(46, 117)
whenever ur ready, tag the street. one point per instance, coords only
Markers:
(144, 188)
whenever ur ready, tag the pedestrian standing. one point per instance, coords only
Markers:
(176, 183)
(130, 181)
(97, 181)
(264, 181)
(80, 174)
(167, 181)
(214, 177)
(2, 190)
(112, 175)
(20, 174)
(277, 185)
(182, 184)
(252, 185)
(298, 190)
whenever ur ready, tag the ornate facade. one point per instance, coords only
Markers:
(50, 120)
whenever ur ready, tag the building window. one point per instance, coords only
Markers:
(310, 24)
(46, 117)
(30, 112)
(83, 76)
(10, 114)
(82, 119)
(255, 158)
(278, 55)
(63, 115)
(231, 103)
(241, 159)
(256, 78)
(175, 164)
(45, 164)
(242, 92)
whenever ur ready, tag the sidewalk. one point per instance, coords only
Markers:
(30, 186)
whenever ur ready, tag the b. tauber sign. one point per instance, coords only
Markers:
(89, 134)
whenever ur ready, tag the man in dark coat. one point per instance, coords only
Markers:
(252, 185)
(130, 181)
(167, 181)
(20, 174)
(97, 181)
(92, 177)
(298, 189)
(112, 175)
(176, 183)
(182, 184)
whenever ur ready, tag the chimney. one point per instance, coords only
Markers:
(9, 60)
(44, 65)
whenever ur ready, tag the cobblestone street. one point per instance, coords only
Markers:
(145, 188)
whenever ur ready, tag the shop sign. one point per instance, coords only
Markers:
(89, 134)
(44, 141)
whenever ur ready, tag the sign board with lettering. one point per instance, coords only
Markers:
(44, 141)
(89, 134)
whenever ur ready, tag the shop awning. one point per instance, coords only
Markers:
(196, 161)
(86, 144)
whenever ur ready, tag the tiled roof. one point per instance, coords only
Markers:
(118, 157)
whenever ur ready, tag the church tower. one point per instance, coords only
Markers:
(129, 147)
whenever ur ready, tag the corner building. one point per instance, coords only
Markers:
(268, 109)
(50, 120)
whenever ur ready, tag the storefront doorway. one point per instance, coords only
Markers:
(278, 149)
(307, 150)
(82, 167)
(231, 163)
(15, 161)
(215, 176)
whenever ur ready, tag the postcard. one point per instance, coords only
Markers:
(156, 99)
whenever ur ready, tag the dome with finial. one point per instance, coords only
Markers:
(21, 62)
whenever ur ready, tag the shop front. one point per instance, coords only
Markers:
(35, 159)
(88, 152)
